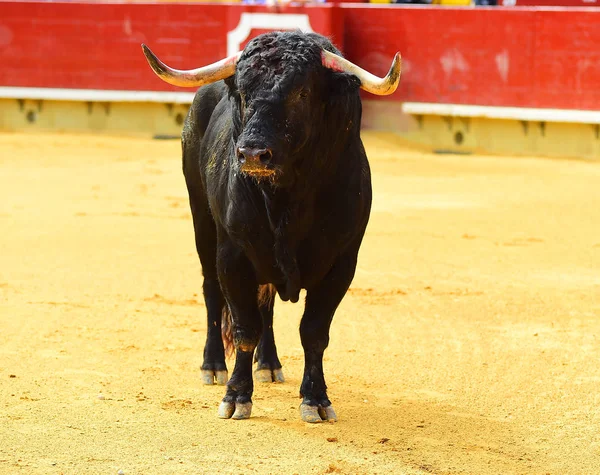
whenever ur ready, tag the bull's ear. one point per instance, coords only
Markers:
(342, 84)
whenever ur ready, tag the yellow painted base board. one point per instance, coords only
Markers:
(118, 118)
(446, 134)
(484, 135)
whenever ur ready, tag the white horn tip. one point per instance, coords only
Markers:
(150, 57)
(393, 76)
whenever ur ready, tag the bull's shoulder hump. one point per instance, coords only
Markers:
(203, 106)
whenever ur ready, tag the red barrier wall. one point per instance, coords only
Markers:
(97, 45)
(490, 56)
(522, 57)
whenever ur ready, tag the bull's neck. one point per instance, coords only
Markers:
(286, 209)
(288, 216)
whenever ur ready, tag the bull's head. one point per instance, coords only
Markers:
(283, 88)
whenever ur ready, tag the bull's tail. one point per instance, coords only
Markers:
(227, 331)
(265, 298)
(266, 295)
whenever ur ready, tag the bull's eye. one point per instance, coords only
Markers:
(303, 93)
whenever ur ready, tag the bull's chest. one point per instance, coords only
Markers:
(288, 250)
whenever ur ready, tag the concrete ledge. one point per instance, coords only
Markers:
(95, 95)
(507, 113)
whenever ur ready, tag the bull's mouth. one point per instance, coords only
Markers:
(258, 171)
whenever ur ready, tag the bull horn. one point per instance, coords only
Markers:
(369, 82)
(193, 77)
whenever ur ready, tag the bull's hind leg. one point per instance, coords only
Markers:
(268, 366)
(321, 303)
(213, 367)
(240, 288)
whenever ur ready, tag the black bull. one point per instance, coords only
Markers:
(280, 193)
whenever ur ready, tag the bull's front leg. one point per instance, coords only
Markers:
(321, 303)
(240, 288)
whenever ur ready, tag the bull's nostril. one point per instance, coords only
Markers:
(266, 156)
(241, 155)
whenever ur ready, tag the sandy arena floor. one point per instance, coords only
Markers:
(469, 341)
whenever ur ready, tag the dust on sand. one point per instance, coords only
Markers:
(468, 342)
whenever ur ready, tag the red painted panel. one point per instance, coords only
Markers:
(522, 57)
(449, 55)
(566, 72)
(97, 46)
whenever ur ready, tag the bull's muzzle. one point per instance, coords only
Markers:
(256, 161)
(258, 155)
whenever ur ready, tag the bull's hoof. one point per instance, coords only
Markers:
(315, 414)
(328, 413)
(209, 377)
(242, 410)
(233, 410)
(226, 410)
(269, 376)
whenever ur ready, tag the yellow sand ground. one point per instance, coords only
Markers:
(468, 343)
